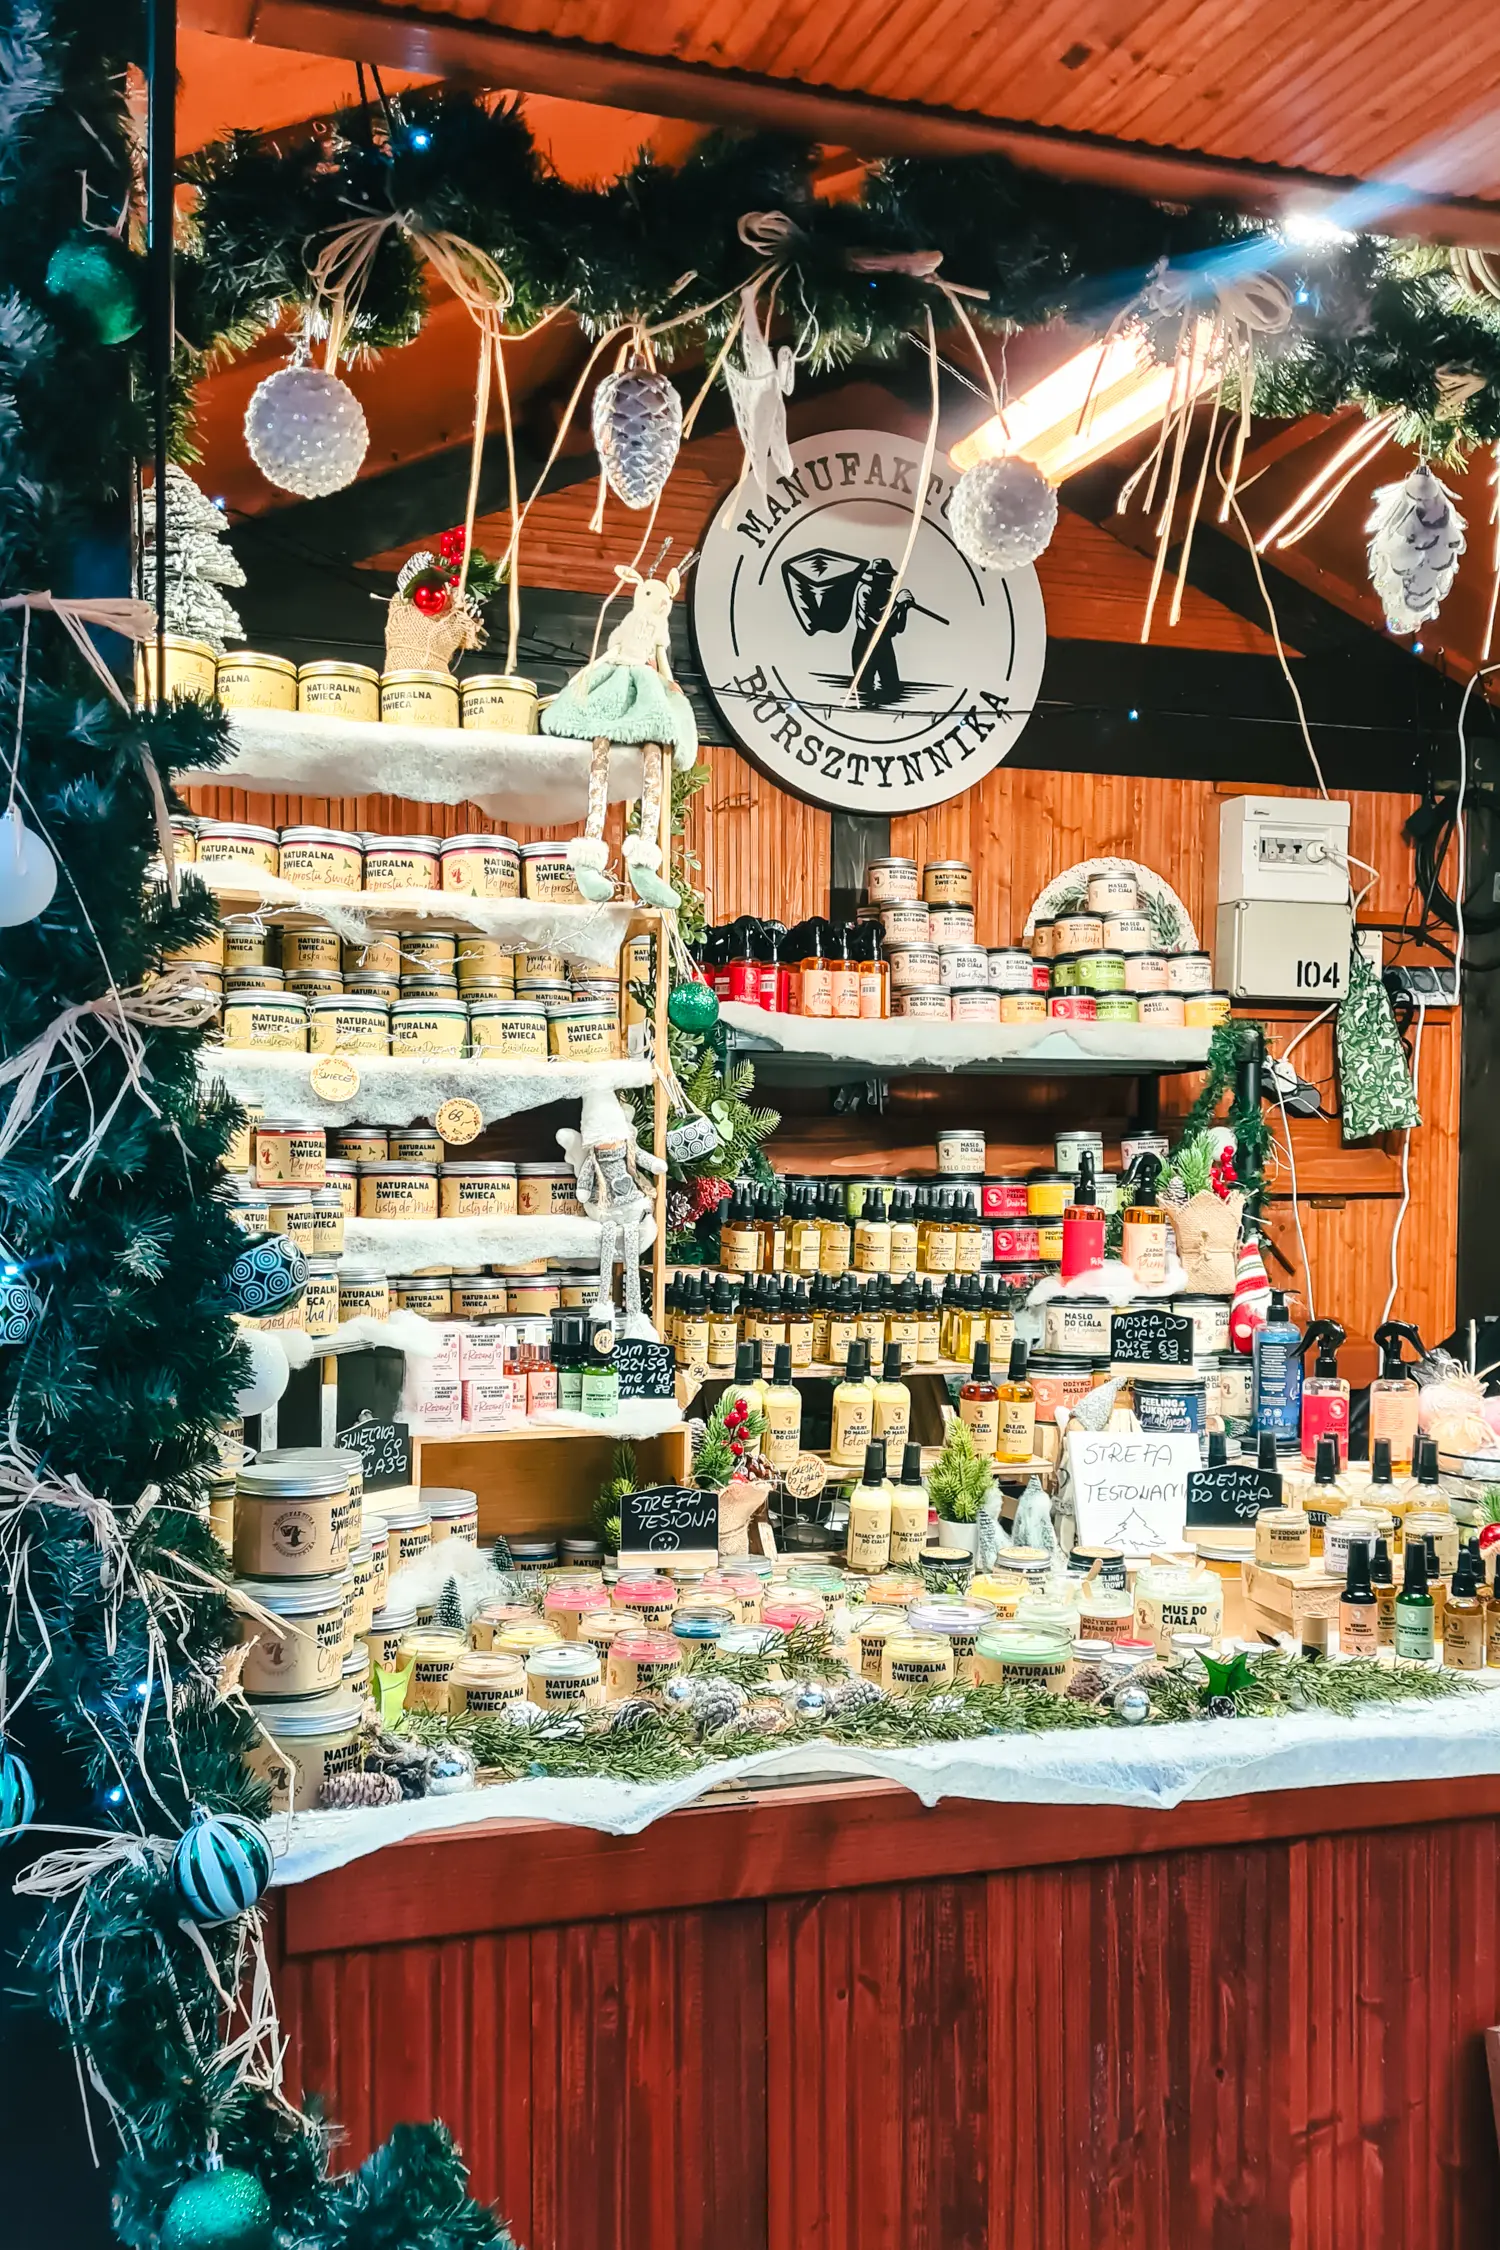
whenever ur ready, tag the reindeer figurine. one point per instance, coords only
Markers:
(629, 695)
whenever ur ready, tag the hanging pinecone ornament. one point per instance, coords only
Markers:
(1002, 514)
(638, 430)
(1416, 539)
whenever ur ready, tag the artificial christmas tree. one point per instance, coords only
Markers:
(199, 562)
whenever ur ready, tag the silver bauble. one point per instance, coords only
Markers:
(811, 1701)
(451, 1770)
(306, 431)
(524, 1713)
(1002, 514)
(1132, 1704)
(28, 872)
(638, 430)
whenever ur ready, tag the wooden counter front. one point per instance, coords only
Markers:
(829, 2019)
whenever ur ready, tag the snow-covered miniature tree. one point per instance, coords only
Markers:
(199, 562)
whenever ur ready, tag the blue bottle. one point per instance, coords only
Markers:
(1276, 1377)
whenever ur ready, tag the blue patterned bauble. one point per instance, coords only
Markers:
(20, 1306)
(221, 1866)
(17, 1796)
(269, 1274)
(222, 2209)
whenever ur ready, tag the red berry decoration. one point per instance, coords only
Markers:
(735, 1447)
(452, 544)
(430, 600)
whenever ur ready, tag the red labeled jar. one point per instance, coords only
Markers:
(1003, 1198)
(1015, 1240)
(1072, 1007)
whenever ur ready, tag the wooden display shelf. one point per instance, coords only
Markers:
(813, 1051)
(543, 1482)
(283, 1083)
(510, 921)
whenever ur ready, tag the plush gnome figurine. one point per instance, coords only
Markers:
(607, 1163)
(629, 695)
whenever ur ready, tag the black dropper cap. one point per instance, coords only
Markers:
(783, 1365)
(873, 1471)
(857, 1365)
(1434, 1567)
(1414, 1584)
(911, 1465)
(1265, 1450)
(891, 1371)
(1380, 1462)
(746, 1362)
(1464, 1581)
(1425, 1460)
(1019, 1353)
(1380, 1565)
(981, 1369)
(1326, 1469)
(1218, 1449)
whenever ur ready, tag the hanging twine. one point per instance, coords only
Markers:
(174, 1002)
(135, 621)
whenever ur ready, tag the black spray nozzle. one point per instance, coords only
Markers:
(1327, 1335)
(1389, 1337)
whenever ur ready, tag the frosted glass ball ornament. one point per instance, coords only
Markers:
(270, 1371)
(28, 873)
(1002, 514)
(306, 431)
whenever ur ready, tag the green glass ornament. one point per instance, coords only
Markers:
(693, 1006)
(221, 2209)
(92, 272)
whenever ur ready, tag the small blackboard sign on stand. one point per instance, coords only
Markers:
(385, 1450)
(645, 1370)
(670, 1523)
(1230, 1496)
(1150, 1336)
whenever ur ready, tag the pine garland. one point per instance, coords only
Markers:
(1376, 324)
(133, 1368)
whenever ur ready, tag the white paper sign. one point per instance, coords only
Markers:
(1130, 1487)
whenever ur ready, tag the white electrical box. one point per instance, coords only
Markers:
(1271, 949)
(1289, 848)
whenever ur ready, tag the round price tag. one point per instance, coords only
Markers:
(333, 1078)
(807, 1476)
(459, 1120)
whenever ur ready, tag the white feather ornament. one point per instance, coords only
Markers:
(1416, 539)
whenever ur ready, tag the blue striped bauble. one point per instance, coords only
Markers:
(17, 1796)
(221, 1866)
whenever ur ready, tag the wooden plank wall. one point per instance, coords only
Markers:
(1277, 2043)
(762, 851)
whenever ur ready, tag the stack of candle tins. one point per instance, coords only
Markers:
(911, 951)
(247, 679)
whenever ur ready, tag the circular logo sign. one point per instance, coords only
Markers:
(459, 1120)
(334, 1078)
(846, 685)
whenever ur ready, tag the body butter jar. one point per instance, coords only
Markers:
(1172, 1599)
(1283, 1540)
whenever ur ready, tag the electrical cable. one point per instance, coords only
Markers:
(1416, 1065)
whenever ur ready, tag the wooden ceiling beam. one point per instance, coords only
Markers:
(579, 70)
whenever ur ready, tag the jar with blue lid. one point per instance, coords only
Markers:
(1173, 1404)
(703, 1621)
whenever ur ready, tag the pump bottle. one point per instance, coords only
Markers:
(869, 1540)
(781, 1404)
(892, 1403)
(853, 1411)
(1143, 1228)
(1276, 1376)
(1083, 1224)
(1415, 1634)
(1017, 1410)
(979, 1405)
(909, 1512)
(1359, 1625)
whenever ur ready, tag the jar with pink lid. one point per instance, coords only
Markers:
(564, 1607)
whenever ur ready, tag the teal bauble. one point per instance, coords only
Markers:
(221, 1866)
(92, 272)
(17, 1796)
(223, 2209)
(693, 1006)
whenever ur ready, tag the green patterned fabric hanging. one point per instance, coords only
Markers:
(1378, 1095)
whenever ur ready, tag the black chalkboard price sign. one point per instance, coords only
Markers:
(645, 1370)
(1233, 1494)
(1150, 1336)
(384, 1448)
(669, 1520)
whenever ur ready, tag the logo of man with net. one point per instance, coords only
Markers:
(827, 590)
